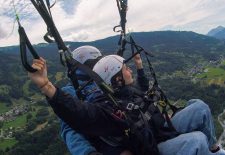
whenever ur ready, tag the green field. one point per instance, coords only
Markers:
(212, 73)
(213, 76)
(20, 121)
(223, 63)
(7, 143)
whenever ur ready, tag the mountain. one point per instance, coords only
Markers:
(218, 32)
(158, 41)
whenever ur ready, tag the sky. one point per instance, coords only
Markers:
(88, 20)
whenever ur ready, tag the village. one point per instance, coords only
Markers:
(9, 116)
(200, 68)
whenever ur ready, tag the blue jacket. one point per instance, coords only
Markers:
(77, 143)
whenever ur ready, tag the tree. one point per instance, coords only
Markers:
(31, 125)
(1, 124)
(29, 116)
(42, 112)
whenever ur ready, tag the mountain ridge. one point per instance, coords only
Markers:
(218, 33)
(148, 40)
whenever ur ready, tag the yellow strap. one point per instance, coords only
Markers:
(162, 103)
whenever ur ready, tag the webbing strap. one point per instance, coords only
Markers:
(49, 22)
(74, 80)
(168, 120)
(47, 37)
(122, 8)
(24, 44)
(73, 65)
(155, 87)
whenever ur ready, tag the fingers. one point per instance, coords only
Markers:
(44, 61)
(39, 61)
(38, 67)
(39, 64)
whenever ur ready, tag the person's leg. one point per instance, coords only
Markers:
(196, 117)
(193, 143)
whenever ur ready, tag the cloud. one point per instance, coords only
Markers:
(86, 20)
(70, 6)
(82, 35)
(3, 34)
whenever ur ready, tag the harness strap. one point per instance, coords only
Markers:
(138, 48)
(73, 65)
(168, 120)
(75, 83)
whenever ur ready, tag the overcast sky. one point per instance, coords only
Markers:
(87, 20)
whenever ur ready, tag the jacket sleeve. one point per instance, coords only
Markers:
(76, 143)
(142, 80)
(88, 119)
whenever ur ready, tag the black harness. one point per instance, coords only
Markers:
(147, 125)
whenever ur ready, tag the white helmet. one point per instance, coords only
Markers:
(84, 53)
(108, 66)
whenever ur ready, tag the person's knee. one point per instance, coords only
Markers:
(198, 104)
(198, 139)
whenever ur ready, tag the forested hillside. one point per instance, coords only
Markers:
(188, 65)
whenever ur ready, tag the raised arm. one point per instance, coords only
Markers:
(90, 119)
(142, 80)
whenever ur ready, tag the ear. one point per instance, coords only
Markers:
(118, 78)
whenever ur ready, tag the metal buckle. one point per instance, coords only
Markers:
(60, 51)
(130, 106)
